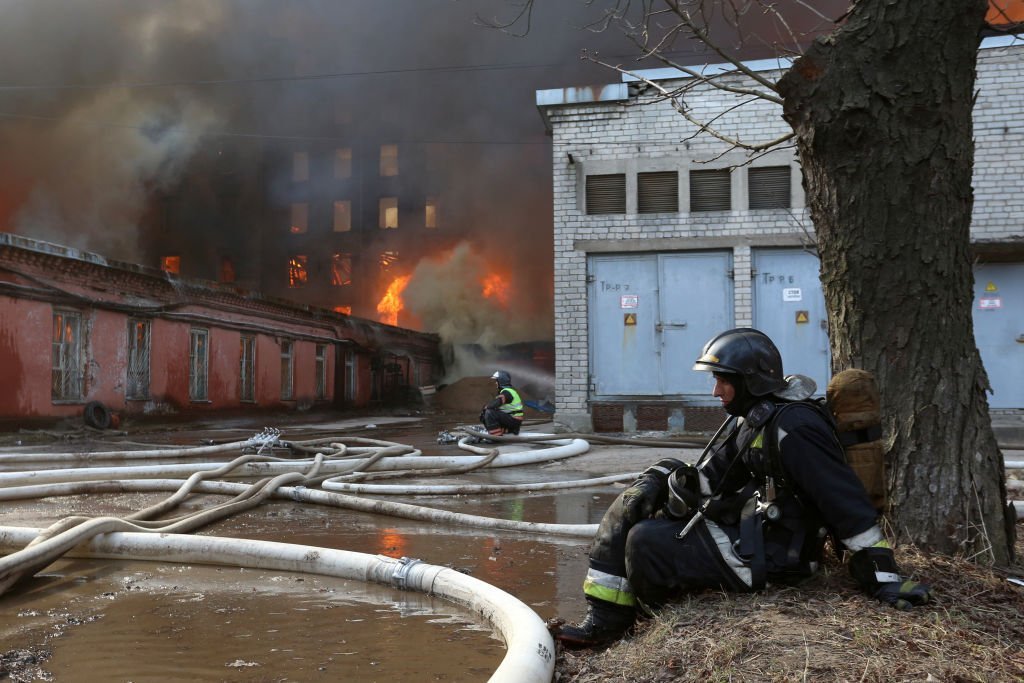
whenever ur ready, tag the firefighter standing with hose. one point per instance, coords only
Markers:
(757, 507)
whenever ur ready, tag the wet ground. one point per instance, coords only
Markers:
(139, 621)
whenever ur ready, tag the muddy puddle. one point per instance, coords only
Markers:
(142, 621)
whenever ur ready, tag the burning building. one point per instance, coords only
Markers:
(138, 340)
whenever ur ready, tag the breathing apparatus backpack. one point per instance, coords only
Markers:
(853, 401)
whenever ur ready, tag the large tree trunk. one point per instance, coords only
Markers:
(882, 113)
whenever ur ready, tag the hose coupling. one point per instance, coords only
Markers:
(400, 578)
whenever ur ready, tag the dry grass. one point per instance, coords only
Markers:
(826, 630)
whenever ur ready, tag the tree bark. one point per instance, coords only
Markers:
(882, 110)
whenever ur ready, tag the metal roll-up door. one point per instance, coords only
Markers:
(769, 187)
(710, 191)
(657, 192)
(606, 193)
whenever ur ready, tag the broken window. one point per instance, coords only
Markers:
(388, 212)
(768, 187)
(137, 384)
(341, 269)
(321, 372)
(710, 190)
(247, 368)
(606, 193)
(287, 371)
(430, 213)
(198, 364)
(342, 215)
(67, 373)
(300, 166)
(657, 192)
(170, 264)
(389, 160)
(343, 163)
(298, 273)
(227, 270)
(299, 219)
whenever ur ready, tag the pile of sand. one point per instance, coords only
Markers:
(468, 395)
(465, 396)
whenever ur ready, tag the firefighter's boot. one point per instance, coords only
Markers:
(604, 624)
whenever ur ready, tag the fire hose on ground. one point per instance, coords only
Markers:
(530, 662)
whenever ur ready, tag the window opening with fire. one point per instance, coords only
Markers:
(198, 364)
(298, 272)
(341, 269)
(389, 160)
(67, 372)
(247, 368)
(227, 270)
(137, 380)
(388, 213)
(170, 264)
(299, 218)
(430, 213)
(287, 371)
(321, 372)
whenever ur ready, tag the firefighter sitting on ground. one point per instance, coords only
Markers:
(756, 507)
(504, 413)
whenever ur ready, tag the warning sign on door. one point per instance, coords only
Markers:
(990, 302)
(629, 319)
(802, 317)
(630, 301)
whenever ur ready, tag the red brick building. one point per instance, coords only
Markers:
(77, 328)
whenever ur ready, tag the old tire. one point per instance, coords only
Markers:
(96, 415)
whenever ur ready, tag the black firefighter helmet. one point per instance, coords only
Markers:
(502, 378)
(748, 353)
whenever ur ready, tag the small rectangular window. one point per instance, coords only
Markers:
(350, 375)
(389, 160)
(342, 215)
(606, 193)
(321, 372)
(388, 213)
(343, 163)
(710, 190)
(137, 382)
(341, 269)
(298, 272)
(198, 364)
(430, 213)
(300, 166)
(657, 192)
(287, 371)
(299, 218)
(247, 368)
(769, 187)
(67, 369)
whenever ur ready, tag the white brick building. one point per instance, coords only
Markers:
(664, 237)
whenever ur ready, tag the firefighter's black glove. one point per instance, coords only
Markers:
(876, 570)
(904, 594)
(683, 493)
(648, 493)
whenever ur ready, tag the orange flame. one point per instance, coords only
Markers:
(495, 287)
(391, 305)
(347, 310)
